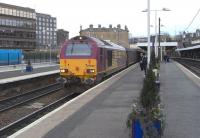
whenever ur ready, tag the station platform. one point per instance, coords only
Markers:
(100, 112)
(180, 90)
(17, 72)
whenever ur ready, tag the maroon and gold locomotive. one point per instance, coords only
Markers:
(89, 59)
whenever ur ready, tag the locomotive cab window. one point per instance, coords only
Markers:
(78, 50)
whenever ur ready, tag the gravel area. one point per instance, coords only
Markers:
(16, 88)
(21, 111)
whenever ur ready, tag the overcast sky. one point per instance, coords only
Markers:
(71, 14)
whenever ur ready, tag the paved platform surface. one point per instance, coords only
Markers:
(181, 97)
(17, 71)
(99, 113)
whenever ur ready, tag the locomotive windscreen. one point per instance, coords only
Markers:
(78, 50)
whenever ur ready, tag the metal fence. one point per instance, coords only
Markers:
(40, 56)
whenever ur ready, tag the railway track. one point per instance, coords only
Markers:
(192, 65)
(15, 101)
(11, 128)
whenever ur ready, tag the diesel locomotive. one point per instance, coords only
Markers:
(88, 59)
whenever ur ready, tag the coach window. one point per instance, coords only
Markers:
(109, 58)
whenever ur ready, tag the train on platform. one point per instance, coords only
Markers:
(88, 60)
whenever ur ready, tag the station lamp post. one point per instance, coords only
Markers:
(148, 33)
(155, 44)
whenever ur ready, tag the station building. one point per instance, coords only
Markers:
(62, 35)
(17, 27)
(115, 35)
(46, 27)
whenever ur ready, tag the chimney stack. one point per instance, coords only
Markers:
(119, 26)
(91, 26)
(126, 28)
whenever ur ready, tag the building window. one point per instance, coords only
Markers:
(2, 11)
(14, 12)
(14, 23)
(18, 13)
(6, 11)
(34, 15)
(21, 14)
(25, 14)
(18, 23)
(10, 12)
(3, 22)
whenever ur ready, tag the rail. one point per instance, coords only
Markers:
(15, 101)
(191, 64)
(7, 130)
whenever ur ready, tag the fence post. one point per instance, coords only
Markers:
(8, 59)
(40, 57)
(18, 57)
(34, 56)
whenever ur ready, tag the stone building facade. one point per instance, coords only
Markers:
(114, 34)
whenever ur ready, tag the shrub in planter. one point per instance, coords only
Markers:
(149, 96)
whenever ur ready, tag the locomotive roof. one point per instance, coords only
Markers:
(107, 44)
(101, 43)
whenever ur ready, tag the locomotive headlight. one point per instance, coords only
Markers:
(63, 70)
(90, 70)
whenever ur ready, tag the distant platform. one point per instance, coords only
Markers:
(12, 73)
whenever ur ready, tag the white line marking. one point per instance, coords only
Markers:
(66, 104)
(17, 68)
(13, 79)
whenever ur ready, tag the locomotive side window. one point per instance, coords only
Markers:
(78, 50)
(109, 58)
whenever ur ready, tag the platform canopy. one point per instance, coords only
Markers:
(188, 48)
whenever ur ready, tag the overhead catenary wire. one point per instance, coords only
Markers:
(192, 20)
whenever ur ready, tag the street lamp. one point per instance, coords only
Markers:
(155, 44)
(49, 52)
